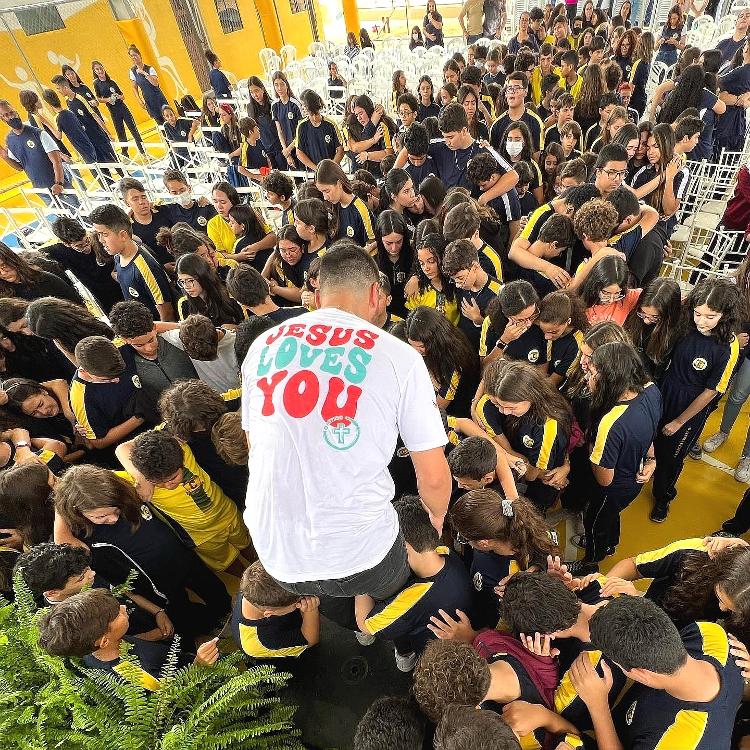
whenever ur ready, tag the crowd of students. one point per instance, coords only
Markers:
(504, 240)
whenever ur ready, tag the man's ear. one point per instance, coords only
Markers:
(488, 478)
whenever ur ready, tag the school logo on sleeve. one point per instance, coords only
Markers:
(528, 441)
(146, 513)
(477, 581)
(327, 138)
(290, 115)
(133, 293)
(630, 713)
(341, 433)
(533, 355)
(30, 143)
(350, 231)
(183, 133)
(699, 363)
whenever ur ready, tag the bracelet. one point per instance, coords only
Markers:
(159, 611)
(649, 459)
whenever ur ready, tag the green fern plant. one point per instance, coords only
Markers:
(48, 703)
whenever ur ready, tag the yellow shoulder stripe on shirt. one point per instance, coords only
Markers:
(483, 336)
(565, 693)
(137, 676)
(715, 641)
(78, 405)
(149, 279)
(539, 216)
(529, 742)
(481, 404)
(494, 259)
(548, 441)
(734, 353)
(494, 286)
(398, 607)
(453, 387)
(182, 303)
(252, 646)
(604, 427)
(365, 215)
(659, 554)
(685, 733)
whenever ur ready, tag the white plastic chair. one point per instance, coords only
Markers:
(270, 61)
(288, 54)
(317, 49)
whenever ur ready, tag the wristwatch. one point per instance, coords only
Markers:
(22, 444)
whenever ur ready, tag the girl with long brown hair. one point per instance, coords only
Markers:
(521, 411)
(562, 320)
(19, 278)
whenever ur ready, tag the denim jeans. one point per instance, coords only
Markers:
(738, 394)
(387, 578)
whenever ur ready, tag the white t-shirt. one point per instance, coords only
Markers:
(324, 398)
(221, 374)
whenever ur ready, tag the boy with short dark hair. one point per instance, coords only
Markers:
(247, 332)
(464, 727)
(279, 189)
(439, 581)
(269, 622)
(92, 624)
(607, 102)
(250, 289)
(139, 274)
(565, 108)
(463, 222)
(687, 133)
(475, 288)
(516, 88)
(407, 108)
(166, 473)
(526, 198)
(569, 78)
(104, 394)
(417, 143)
(390, 722)
(473, 464)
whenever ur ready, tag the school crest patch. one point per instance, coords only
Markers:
(699, 363)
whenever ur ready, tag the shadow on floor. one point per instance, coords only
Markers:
(337, 683)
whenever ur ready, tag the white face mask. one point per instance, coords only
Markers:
(185, 199)
(513, 148)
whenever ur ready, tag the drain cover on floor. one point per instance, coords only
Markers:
(354, 670)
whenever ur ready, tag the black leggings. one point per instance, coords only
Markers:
(601, 519)
(120, 118)
(740, 523)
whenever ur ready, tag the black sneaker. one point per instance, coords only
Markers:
(659, 512)
(696, 452)
(579, 568)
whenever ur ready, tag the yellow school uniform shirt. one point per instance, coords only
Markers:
(221, 234)
(430, 298)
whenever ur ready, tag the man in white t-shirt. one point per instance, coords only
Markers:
(325, 397)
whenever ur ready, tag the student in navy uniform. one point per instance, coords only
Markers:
(426, 99)
(285, 268)
(286, 113)
(196, 213)
(69, 126)
(219, 82)
(531, 421)
(205, 293)
(515, 96)
(395, 256)
(419, 164)
(702, 363)
(147, 218)
(32, 151)
(259, 110)
(140, 276)
(78, 87)
(109, 92)
(562, 320)
(369, 135)
(625, 412)
(475, 288)
(734, 87)
(279, 189)
(146, 85)
(270, 624)
(353, 217)
(250, 289)
(317, 136)
(688, 686)
(178, 129)
(439, 581)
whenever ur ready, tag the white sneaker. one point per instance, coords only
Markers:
(405, 663)
(742, 472)
(364, 639)
(712, 443)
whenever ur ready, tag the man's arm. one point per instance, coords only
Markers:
(117, 434)
(9, 160)
(433, 482)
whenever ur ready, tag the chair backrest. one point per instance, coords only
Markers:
(317, 49)
(270, 61)
(288, 54)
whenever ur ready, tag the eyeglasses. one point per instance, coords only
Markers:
(648, 318)
(610, 297)
(528, 320)
(615, 174)
(186, 283)
(289, 250)
(514, 89)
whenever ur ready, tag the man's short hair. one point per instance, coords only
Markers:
(247, 332)
(414, 522)
(580, 194)
(538, 603)
(410, 100)
(461, 222)
(348, 266)
(570, 127)
(279, 183)
(417, 140)
(99, 356)
(459, 256)
(570, 57)
(51, 98)
(625, 202)
(390, 722)
(524, 60)
(597, 43)
(229, 439)
(247, 286)
(481, 167)
(199, 338)
(565, 100)
(59, 80)
(519, 77)
(112, 217)
(472, 75)
(260, 589)
(48, 566)
(597, 219)
(463, 727)
(611, 152)
(536, 14)
(638, 634)
(557, 228)
(687, 127)
(157, 455)
(524, 172)
(73, 627)
(448, 673)
(452, 118)
(608, 99)
(131, 319)
(130, 183)
(473, 458)
(575, 169)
